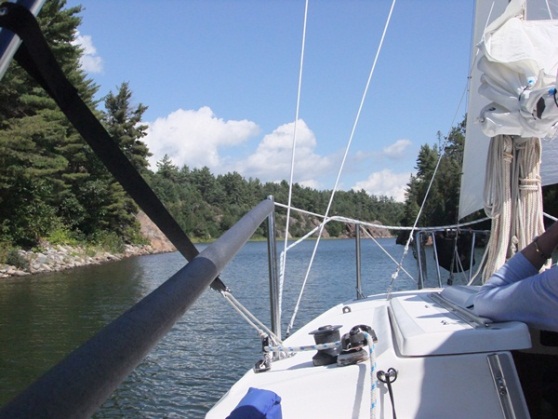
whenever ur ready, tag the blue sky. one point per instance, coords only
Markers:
(220, 78)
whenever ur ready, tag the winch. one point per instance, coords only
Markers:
(326, 334)
(353, 343)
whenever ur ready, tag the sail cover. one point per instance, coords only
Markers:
(512, 89)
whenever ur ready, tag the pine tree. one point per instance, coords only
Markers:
(33, 136)
(123, 123)
(49, 177)
(441, 205)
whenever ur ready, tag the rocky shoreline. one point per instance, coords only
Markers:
(54, 258)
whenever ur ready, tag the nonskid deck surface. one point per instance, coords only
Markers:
(452, 383)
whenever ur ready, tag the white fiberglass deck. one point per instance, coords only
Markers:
(435, 378)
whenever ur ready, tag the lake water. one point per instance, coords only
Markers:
(44, 317)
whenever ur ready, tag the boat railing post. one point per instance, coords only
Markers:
(472, 259)
(359, 294)
(435, 250)
(273, 276)
(419, 251)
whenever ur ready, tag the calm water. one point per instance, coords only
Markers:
(44, 317)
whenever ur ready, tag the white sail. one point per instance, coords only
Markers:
(513, 69)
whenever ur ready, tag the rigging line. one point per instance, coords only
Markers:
(410, 238)
(357, 118)
(249, 317)
(421, 209)
(363, 98)
(489, 15)
(406, 250)
(300, 240)
(297, 113)
(387, 227)
(383, 249)
(549, 10)
(480, 267)
(449, 226)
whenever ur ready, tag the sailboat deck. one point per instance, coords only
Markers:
(423, 382)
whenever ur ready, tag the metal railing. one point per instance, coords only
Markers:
(422, 237)
(80, 383)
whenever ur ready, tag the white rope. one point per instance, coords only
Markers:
(252, 320)
(373, 378)
(382, 248)
(353, 130)
(513, 197)
(549, 10)
(283, 261)
(497, 201)
(399, 267)
(529, 221)
(348, 220)
(379, 226)
(303, 348)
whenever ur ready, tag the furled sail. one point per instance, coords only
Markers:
(513, 105)
(518, 60)
(488, 15)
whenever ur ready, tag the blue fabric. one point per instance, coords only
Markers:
(258, 404)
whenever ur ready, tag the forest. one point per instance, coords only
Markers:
(54, 189)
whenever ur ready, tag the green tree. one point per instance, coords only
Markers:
(49, 177)
(124, 124)
(441, 206)
(34, 135)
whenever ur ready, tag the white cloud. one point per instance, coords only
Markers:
(385, 183)
(195, 137)
(397, 149)
(272, 159)
(89, 61)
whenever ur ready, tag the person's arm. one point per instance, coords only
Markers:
(540, 249)
(517, 291)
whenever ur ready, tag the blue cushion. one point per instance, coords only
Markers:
(258, 404)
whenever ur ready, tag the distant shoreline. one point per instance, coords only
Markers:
(55, 258)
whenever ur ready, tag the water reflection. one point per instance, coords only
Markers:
(44, 317)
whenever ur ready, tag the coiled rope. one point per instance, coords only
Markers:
(513, 197)
(497, 200)
(529, 223)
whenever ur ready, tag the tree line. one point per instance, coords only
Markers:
(206, 205)
(53, 188)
